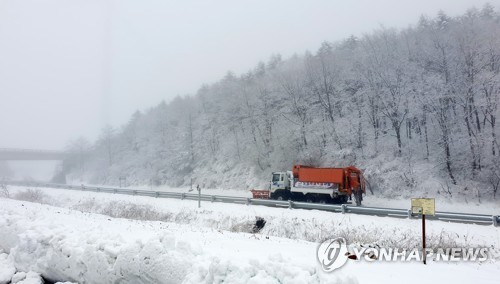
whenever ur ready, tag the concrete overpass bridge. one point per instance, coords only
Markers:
(8, 154)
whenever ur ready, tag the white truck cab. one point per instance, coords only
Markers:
(280, 180)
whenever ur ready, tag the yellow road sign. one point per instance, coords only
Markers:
(426, 206)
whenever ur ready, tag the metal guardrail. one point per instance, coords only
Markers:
(344, 208)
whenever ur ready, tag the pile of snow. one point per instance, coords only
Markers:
(7, 269)
(67, 245)
(181, 243)
(9, 273)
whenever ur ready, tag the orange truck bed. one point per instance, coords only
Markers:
(308, 174)
(347, 178)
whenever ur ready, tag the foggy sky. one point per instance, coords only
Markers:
(67, 68)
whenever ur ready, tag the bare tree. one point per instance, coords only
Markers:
(441, 109)
(79, 150)
(294, 87)
(389, 75)
(107, 141)
(324, 83)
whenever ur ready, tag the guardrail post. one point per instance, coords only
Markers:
(114, 190)
(290, 204)
(83, 187)
(183, 195)
(343, 207)
(135, 192)
(409, 214)
(213, 198)
(495, 221)
(249, 200)
(157, 194)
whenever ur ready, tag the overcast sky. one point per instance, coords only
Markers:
(67, 68)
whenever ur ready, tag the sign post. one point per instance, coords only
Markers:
(423, 206)
(424, 256)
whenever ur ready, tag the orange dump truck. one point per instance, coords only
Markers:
(324, 185)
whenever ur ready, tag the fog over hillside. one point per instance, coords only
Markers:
(415, 109)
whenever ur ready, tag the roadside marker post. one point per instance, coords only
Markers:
(199, 195)
(423, 240)
(423, 206)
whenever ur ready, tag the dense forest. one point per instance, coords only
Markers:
(415, 109)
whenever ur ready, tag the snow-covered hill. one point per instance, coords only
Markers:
(415, 109)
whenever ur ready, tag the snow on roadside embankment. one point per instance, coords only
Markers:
(65, 244)
(308, 225)
(7, 268)
(9, 274)
(184, 243)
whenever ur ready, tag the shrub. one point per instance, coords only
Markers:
(31, 195)
(4, 191)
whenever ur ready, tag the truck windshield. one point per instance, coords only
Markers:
(276, 177)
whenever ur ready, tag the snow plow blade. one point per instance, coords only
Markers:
(260, 193)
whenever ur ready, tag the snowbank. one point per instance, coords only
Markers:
(185, 244)
(9, 273)
(87, 248)
(7, 269)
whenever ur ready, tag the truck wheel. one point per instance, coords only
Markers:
(343, 199)
(310, 198)
(280, 196)
(322, 200)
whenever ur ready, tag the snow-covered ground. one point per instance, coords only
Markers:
(71, 237)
